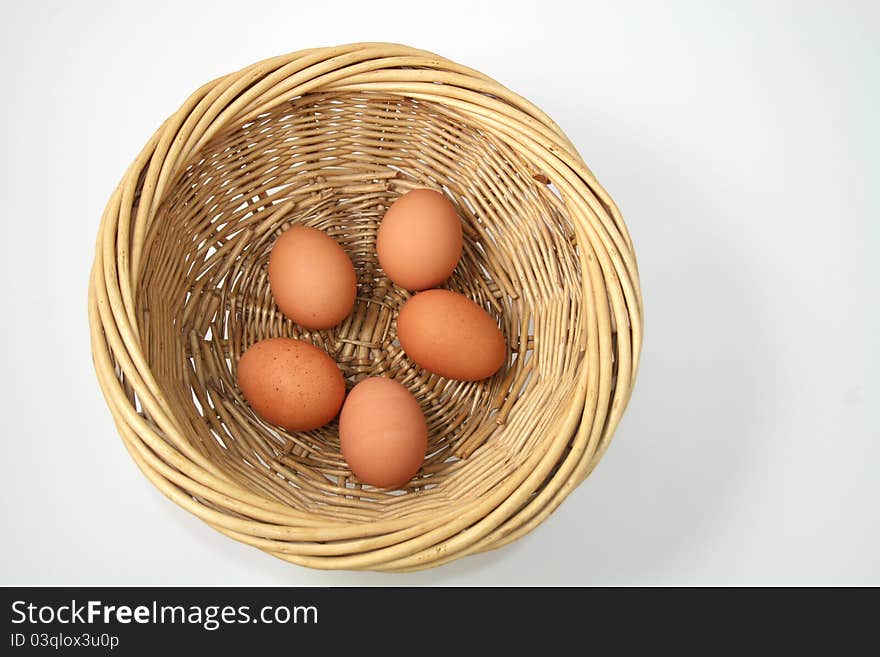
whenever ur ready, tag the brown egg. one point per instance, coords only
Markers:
(291, 383)
(311, 278)
(450, 335)
(419, 240)
(383, 433)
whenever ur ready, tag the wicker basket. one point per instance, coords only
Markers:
(330, 137)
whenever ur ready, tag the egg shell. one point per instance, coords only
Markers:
(383, 433)
(291, 383)
(450, 335)
(420, 239)
(311, 278)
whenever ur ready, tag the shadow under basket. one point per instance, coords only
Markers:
(330, 138)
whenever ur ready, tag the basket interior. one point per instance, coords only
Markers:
(336, 162)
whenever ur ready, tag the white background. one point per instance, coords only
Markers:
(741, 141)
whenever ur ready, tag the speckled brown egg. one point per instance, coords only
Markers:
(383, 433)
(450, 335)
(419, 241)
(291, 383)
(311, 278)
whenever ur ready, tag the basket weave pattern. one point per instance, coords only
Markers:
(330, 138)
